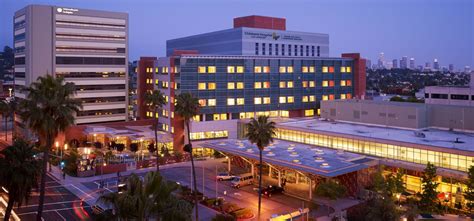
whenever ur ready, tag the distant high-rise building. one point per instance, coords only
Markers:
(435, 64)
(451, 67)
(404, 62)
(412, 63)
(467, 69)
(368, 64)
(394, 63)
(381, 62)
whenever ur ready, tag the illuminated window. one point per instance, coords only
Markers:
(284, 113)
(325, 97)
(240, 85)
(266, 69)
(257, 100)
(325, 69)
(197, 118)
(240, 101)
(211, 102)
(230, 69)
(331, 97)
(305, 83)
(312, 98)
(202, 102)
(230, 101)
(282, 100)
(312, 69)
(166, 98)
(282, 84)
(258, 85)
(290, 69)
(304, 69)
(211, 69)
(343, 69)
(156, 82)
(231, 85)
(331, 83)
(349, 96)
(172, 114)
(211, 86)
(201, 86)
(266, 84)
(312, 84)
(291, 99)
(282, 69)
(348, 82)
(240, 69)
(309, 113)
(348, 69)
(304, 99)
(331, 69)
(201, 69)
(343, 83)
(258, 69)
(290, 84)
(220, 116)
(343, 96)
(266, 100)
(325, 83)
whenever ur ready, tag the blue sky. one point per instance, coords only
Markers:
(424, 29)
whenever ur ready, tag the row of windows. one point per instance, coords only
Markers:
(287, 50)
(19, 60)
(267, 100)
(90, 74)
(452, 96)
(91, 37)
(248, 115)
(89, 49)
(101, 112)
(89, 24)
(266, 84)
(90, 60)
(266, 69)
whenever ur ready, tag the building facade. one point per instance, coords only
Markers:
(255, 36)
(451, 95)
(87, 47)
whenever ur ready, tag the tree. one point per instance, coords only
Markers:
(187, 106)
(155, 101)
(331, 190)
(469, 195)
(19, 173)
(48, 110)
(429, 196)
(120, 147)
(151, 147)
(71, 162)
(395, 184)
(133, 147)
(8, 109)
(382, 208)
(151, 198)
(260, 132)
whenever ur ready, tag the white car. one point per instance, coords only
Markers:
(224, 176)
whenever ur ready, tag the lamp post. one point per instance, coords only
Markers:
(398, 198)
(141, 147)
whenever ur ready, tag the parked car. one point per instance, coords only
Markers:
(224, 176)
(270, 190)
(242, 180)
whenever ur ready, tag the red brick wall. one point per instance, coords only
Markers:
(142, 86)
(255, 21)
(296, 113)
(359, 74)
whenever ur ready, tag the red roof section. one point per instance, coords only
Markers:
(257, 21)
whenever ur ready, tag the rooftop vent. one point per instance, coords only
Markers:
(458, 141)
(419, 134)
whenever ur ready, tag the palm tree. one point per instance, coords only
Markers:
(260, 132)
(48, 110)
(4, 111)
(19, 173)
(187, 106)
(155, 100)
(151, 198)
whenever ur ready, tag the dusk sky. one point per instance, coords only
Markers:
(423, 29)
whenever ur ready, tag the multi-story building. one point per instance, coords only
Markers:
(381, 61)
(451, 68)
(436, 64)
(404, 62)
(412, 63)
(395, 63)
(86, 47)
(451, 95)
(255, 35)
(132, 90)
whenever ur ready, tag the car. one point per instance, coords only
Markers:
(270, 190)
(224, 176)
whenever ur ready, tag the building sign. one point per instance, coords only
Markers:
(69, 11)
(275, 36)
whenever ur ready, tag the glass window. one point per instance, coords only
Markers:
(325, 69)
(230, 69)
(348, 82)
(266, 100)
(304, 99)
(312, 69)
(343, 96)
(325, 83)
(305, 83)
(282, 84)
(240, 85)
(230, 85)
(240, 69)
(240, 101)
(202, 102)
(282, 69)
(304, 69)
(197, 118)
(211, 86)
(348, 69)
(285, 113)
(258, 85)
(290, 84)
(331, 83)
(201, 86)
(325, 98)
(257, 100)
(266, 84)
(266, 69)
(258, 69)
(343, 83)
(230, 101)
(331, 69)
(312, 84)
(309, 113)
(201, 69)
(349, 96)
(282, 100)
(343, 69)
(290, 69)
(211, 102)
(291, 99)
(211, 69)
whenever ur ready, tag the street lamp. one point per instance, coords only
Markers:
(10, 91)
(398, 198)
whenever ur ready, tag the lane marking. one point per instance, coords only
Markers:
(53, 210)
(61, 216)
(50, 203)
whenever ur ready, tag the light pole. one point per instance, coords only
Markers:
(398, 198)
(141, 147)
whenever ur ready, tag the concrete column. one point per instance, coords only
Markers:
(228, 164)
(310, 189)
(297, 177)
(270, 171)
(279, 178)
(252, 169)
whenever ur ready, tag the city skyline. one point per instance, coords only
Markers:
(152, 23)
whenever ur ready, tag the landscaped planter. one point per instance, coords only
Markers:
(241, 214)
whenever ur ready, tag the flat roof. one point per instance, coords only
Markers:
(214, 56)
(433, 137)
(304, 158)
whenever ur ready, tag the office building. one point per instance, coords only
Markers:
(132, 90)
(381, 61)
(451, 67)
(451, 95)
(255, 36)
(87, 47)
(436, 64)
(368, 63)
(404, 62)
(395, 63)
(467, 69)
(412, 63)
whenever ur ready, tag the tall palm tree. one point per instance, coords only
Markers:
(19, 173)
(260, 132)
(151, 198)
(48, 110)
(155, 100)
(187, 106)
